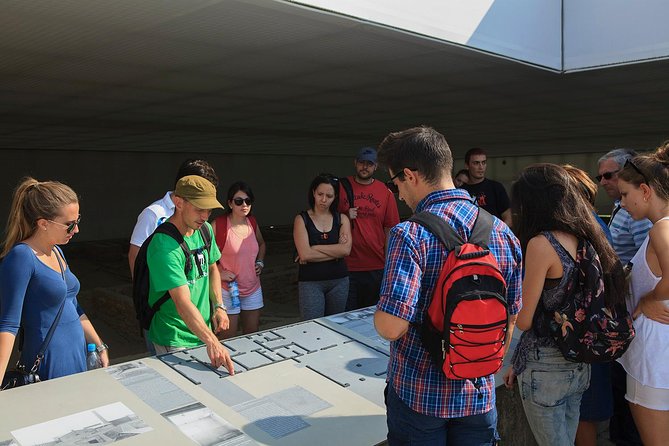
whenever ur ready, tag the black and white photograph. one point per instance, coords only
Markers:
(205, 428)
(102, 425)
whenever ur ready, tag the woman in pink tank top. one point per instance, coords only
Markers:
(242, 252)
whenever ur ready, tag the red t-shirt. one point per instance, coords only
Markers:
(377, 210)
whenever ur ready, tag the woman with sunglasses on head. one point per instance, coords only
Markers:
(644, 190)
(36, 282)
(322, 237)
(242, 249)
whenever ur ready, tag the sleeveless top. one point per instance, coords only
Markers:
(239, 256)
(647, 358)
(530, 340)
(328, 270)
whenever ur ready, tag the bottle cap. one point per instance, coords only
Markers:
(91, 347)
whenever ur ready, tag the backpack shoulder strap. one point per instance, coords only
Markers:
(171, 230)
(348, 188)
(437, 226)
(253, 221)
(205, 233)
(482, 229)
(221, 223)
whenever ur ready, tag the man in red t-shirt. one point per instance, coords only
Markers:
(372, 213)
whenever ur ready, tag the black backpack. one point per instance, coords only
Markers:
(584, 328)
(140, 282)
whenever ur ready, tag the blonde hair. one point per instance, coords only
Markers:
(32, 201)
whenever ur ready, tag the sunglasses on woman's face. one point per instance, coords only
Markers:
(239, 201)
(69, 227)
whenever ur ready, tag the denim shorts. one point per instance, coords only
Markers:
(408, 427)
(551, 389)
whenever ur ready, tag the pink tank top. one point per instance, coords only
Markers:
(239, 256)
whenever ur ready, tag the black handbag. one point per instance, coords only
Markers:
(22, 376)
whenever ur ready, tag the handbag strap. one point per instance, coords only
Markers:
(49, 335)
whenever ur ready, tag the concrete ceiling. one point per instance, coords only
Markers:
(268, 77)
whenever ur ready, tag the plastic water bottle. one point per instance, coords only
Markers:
(92, 358)
(234, 294)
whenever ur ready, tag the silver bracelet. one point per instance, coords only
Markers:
(261, 263)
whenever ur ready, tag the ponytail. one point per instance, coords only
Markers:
(32, 201)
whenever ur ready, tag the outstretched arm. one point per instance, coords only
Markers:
(218, 354)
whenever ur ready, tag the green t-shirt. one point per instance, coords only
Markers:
(166, 261)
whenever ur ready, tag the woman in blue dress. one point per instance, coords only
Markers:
(35, 280)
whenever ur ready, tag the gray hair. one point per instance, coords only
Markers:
(619, 156)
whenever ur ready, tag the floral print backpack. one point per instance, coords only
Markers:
(583, 327)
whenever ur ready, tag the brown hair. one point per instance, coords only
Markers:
(32, 201)
(419, 148)
(545, 198)
(583, 182)
(474, 151)
(652, 169)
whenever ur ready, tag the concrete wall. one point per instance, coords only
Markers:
(115, 186)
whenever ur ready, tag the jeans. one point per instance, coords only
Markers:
(407, 427)
(551, 389)
(322, 297)
(364, 289)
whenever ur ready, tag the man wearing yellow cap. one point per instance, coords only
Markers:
(185, 319)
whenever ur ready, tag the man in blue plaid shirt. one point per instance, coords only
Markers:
(423, 406)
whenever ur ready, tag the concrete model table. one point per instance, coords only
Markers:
(318, 382)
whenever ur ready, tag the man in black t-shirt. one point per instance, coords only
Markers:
(489, 194)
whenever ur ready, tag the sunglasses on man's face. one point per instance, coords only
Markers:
(239, 201)
(606, 175)
(69, 227)
(400, 176)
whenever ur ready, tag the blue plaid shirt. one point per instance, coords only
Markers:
(627, 234)
(414, 261)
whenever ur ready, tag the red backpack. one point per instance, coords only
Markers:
(466, 324)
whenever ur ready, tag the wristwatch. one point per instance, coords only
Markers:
(221, 306)
(102, 347)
